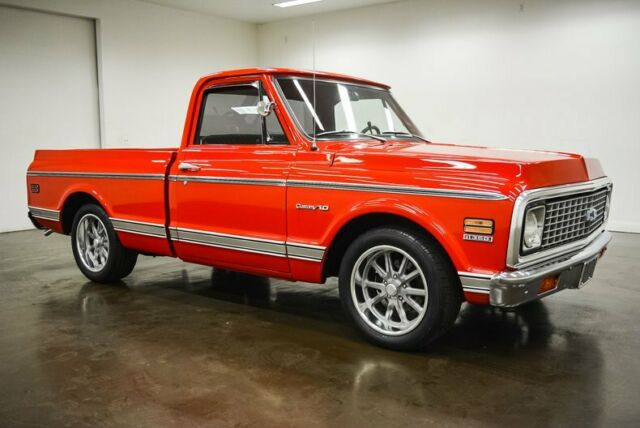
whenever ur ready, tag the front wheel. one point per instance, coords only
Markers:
(96, 247)
(399, 288)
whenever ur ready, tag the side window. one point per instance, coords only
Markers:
(229, 116)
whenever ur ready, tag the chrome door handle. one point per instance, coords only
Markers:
(186, 166)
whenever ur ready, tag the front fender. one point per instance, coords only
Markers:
(414, 213)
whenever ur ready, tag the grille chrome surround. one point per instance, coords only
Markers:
(559, 248)
(566, 218)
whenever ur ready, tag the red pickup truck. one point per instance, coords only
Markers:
(304, 176)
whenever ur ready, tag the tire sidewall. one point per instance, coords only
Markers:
(102, 274)
(419, 336)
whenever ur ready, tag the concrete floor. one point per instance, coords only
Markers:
(182, 345)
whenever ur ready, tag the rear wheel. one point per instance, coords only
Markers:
(399, 288)
(96, 247)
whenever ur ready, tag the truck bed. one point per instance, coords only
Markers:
(130, 184)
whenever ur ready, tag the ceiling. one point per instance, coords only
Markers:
(260, 11)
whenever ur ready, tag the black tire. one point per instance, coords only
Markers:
(120, 261)
(443, 290)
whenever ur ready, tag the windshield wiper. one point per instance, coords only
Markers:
(360, 134)
(408, 134)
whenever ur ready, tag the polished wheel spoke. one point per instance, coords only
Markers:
(369, 303)
(401, 312)
(92, 242)
(389, 299)
(415, 291)
(88, 257)
(387, 262)
(376, 285)
(377, 299)
(410, 276)
(387, 315)
(413, 304)
(379, 270)
(403, 266)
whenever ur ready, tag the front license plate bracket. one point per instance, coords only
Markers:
(577, 276)
(588, 270)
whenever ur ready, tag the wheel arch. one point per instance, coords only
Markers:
(73, 200)
(418, 221)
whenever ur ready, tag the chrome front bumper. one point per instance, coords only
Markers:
(513, 288)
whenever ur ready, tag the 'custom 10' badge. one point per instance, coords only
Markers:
(300, 206)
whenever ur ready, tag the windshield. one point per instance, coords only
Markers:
(344, 108)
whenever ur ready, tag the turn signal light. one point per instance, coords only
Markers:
(548, 284)
(480, 226)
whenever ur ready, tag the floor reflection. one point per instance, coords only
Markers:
(526, 327)
(181, 345)
(316, 301)
(491, 363)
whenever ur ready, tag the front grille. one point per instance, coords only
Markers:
(566, 218)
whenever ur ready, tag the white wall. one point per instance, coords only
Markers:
(554, 74)
(149, 57)
(559, 75)
(49, 87)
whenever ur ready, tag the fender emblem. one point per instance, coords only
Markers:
(477, 238)
(300, 206)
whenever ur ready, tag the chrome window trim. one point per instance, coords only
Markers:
(114, 175)
(254, 83)
(328, 80)
(514, 258)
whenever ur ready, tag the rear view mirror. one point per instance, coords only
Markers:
(264, 108)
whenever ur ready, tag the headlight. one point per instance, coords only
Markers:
(606, 207)
(533, 225)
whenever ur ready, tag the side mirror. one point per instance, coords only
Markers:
(264, 108)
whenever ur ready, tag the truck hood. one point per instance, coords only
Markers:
(469, 167)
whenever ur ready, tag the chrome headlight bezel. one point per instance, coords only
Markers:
(532, 228)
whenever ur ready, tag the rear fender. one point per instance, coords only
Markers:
(85, 188)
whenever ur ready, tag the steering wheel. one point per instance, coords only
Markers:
(370, 128)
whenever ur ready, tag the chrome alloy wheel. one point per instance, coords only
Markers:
(92, 242)
(389, 290)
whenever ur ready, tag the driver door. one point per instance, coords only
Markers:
(228, 186)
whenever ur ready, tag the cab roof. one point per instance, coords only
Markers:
(292, 72)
